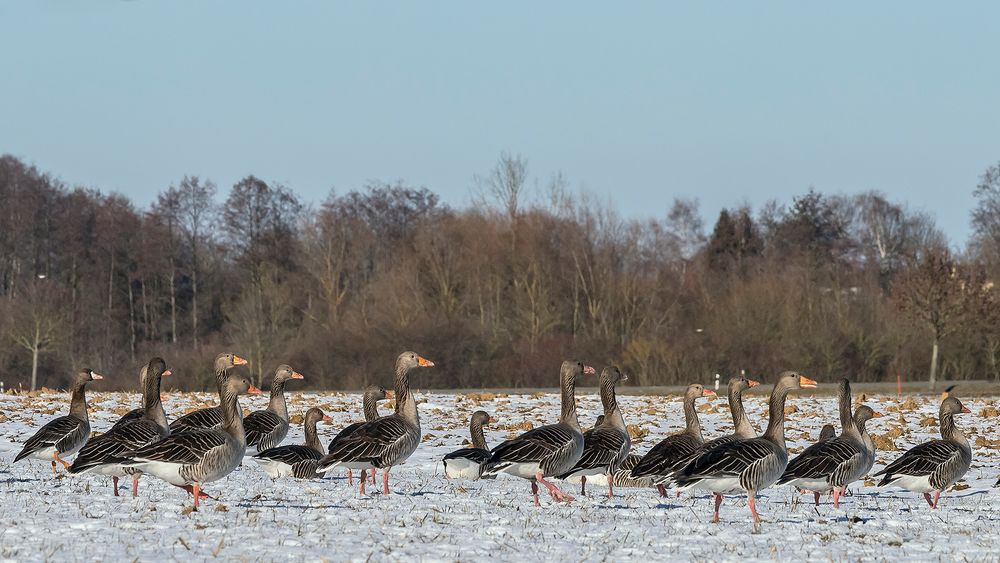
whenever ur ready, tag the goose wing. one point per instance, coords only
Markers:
(369, 442)
(666, 456)
(260, 425)
(113, 445)
(476, 455)
(533, 446)
(201, 419)
(602, 446)
(134, 414)
(49, 435)
(347, 431)
(824, 460)
(921, 460)
(291, 454)
(729, 460)
(184, 448)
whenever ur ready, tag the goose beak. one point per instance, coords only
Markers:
(589, 370)
(807, 383)
(753, 382)
(877, 415)
(297, 375)
(163, 397)
(238, 361)
(253, 390)
(390, 394)
(95, 376)
(327, 418)
(493, 420)
(707, 393)
(424, 362)
(168, 372)
(965, 409)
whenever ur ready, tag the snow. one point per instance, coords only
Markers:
(428, 518)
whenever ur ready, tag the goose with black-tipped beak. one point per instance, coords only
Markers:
(935, 465)
(192, 458)
(667, 456)
(369, 407)
(387, 441)
(607, 445)
(268, 427)
(104, 454)
(833, 464)
(65, 435)
(210, 417)
(747, 465)
(299, 461)
(467, 463)
(549, 450)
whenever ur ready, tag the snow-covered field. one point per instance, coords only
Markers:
(430, 519)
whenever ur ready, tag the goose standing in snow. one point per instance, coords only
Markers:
(387, 441)
(833, 464)
(369, 406)
(935, 465)
(665, 457)
(210, 417)
(136, 414)
(299, 461)
(65, 435)
(748, 465)
(267, 428)
(104, 454)
(605, 446)
(546, 451)
(467, 463)
(192, 458)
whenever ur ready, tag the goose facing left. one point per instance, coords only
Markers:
(65, 435)
(192, 458)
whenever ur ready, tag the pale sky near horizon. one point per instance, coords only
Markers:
(728, 102)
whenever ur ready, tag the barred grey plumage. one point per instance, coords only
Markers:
(135, 414)
(608, 444)
(64, 435)
(935, 465)
(104, 454)
(369, 405)
(299, 461)
(387, 441)
(547, 450)
(192, 458)
(467, 463)
(749, 465)
(833, 464)
(210, 417)
(267, 428)
(668, 455)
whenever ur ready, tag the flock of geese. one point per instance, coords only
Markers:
(207, 444)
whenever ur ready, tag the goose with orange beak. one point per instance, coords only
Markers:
(211, 417)
(267, 428)
(546, 451)
(747, 465)
(387, 441)
(668, 455)
(299, 461)
(64, 435)
(369, 406)
(104, 454)
(195, 457)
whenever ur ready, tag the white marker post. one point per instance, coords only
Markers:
(716, 383)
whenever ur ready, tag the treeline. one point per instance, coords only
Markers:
(496, 294)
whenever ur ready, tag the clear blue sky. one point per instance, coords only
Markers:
(726, 102)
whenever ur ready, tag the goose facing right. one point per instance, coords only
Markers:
(934, 465)
(64, 435)
(299, 461)
(209, 417)
(268, 427)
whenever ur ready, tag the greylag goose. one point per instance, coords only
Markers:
(833, 464)
(467, 463)
(935, 465)
(664, 458)
(299, 461)
(748, 465)
(138, 413)
(369, 406)
(104, 454)
(192, 458)
(622, 476)
(267, 428)
(605, 446)
(387, 441)
(65, 435)
(549, 450)
(210, 417)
